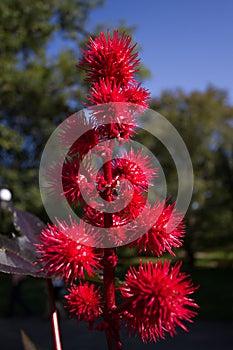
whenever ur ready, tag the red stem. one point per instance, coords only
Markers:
(109, 261)
(54, 317)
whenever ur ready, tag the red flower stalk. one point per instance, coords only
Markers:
(156, 299)
(84, 302)
(64, 257)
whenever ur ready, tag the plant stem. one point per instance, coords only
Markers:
(54, 317)
(112, 333)
(109, 262)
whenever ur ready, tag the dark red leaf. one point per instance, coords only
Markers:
(18, 255)
(28, 224)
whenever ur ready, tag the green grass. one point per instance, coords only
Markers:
(213, 273)
(215, 259)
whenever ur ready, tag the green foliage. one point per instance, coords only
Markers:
(39, 85)
(204, 120)
(10, 139)
(40, 43)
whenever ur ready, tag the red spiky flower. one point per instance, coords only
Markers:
(63, 256)
(110, 64)
(157, 299)
(108, 91)
(110, 58)
(73, 178)
(87, 139)
(162, 237)
(134, 93)
(84, 302)
(135, 167)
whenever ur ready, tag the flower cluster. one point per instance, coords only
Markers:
(84, 302)
(159, 238)
(156, 297)
(65, 257)
(111, 65)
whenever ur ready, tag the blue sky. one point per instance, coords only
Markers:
(185, 43)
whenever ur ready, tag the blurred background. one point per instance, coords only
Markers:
(186, 54)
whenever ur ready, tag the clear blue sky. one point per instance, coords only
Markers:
(185, 43)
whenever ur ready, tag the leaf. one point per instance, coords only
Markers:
(27, 223)
(18, 255)
(27, 343)
(99, 279)
(95, 278)
(118, 282)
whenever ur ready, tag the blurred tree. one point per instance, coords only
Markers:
(39, 42)
(39, 86)
(205, 121)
